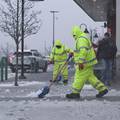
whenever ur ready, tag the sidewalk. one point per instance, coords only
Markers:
(28, 88)
(116, 80)
(21, 103)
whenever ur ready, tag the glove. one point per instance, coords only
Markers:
(65, 82)
(71, 54)
(59, 78)
(50, 62)
(81, 66)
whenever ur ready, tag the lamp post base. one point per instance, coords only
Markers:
(22, 77)
(16, 84)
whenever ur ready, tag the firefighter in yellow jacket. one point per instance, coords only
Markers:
(59, 56)
(85, 59)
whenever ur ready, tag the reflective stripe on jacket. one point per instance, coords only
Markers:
(59, 55)
(84, 52)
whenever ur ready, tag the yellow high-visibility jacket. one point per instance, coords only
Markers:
(84, 52)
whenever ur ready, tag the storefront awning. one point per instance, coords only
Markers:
(96, 9)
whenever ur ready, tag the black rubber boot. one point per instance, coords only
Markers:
(102, 93)
(65, 82)
(73, 96)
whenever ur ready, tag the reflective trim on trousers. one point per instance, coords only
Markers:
(76, 90)
(65, 76)
(97, 83)
(99, 86)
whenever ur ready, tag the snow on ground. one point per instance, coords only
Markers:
(21, 83)
(64, 110)
(62, 90)
(10, 74)
(32, 89)
(46, 109)
(57, 108)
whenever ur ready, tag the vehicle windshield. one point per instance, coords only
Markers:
(25, 54)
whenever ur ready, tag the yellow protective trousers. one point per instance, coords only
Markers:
(87, 74)
(64, 71)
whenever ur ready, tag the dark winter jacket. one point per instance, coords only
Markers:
(107, 49)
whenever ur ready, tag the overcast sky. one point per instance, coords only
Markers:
(70, 14)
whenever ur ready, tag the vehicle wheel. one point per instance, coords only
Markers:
(45, 68)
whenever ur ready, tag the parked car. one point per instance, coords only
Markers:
(33, 61)
(47, 58)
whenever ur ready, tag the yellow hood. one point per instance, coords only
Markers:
(58, 43)
(77, 32)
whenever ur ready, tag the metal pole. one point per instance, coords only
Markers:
(22, 43)
(53, 12)
(53, 28)
(6, 68)
(2, 70)
(17, 25)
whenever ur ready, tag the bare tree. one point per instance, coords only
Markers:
(8, 19)
(10, 22)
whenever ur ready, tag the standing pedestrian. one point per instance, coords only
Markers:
(107, 51)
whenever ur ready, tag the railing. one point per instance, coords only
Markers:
(3, 68)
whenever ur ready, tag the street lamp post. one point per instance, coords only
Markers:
(22, 43)
(36, 0)
(53, 12)
(17, 25)
(22, 40)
